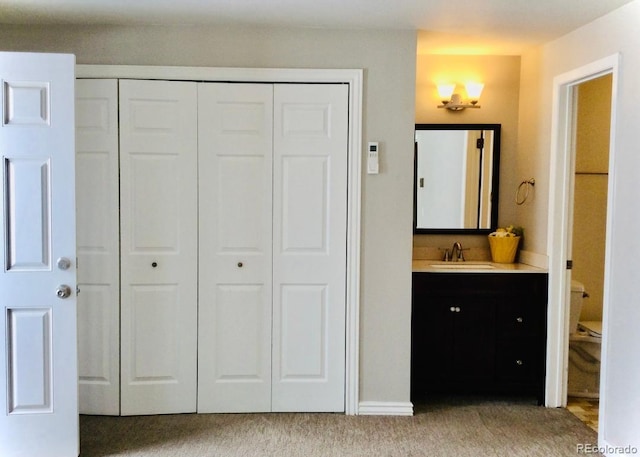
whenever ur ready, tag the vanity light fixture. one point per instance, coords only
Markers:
(453, 102)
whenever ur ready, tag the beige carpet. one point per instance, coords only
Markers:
(449, 427)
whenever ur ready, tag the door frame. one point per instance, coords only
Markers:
(352, 77)
(560, 225)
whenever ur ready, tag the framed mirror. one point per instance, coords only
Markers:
(456, 178)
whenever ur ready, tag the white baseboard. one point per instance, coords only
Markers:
(381, 408)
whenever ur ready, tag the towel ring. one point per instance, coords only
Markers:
(521, 199)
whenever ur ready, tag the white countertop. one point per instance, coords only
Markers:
(438, 266)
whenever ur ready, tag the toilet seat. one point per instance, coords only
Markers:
(593, 328)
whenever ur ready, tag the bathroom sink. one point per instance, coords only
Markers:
(464, 266)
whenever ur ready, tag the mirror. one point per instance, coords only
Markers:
(456, 178)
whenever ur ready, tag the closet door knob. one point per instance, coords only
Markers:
(154, 264)
(240, 264)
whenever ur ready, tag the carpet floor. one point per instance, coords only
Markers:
(458, 426)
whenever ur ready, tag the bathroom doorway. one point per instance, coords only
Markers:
(591, 109)
(565, 185)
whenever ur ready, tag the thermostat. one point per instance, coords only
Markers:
(373, 154)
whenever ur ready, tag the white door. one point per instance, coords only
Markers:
(273, 180)
(38, 352)
(98, 245)
(159, 241)
(309, 246)
(235, 159)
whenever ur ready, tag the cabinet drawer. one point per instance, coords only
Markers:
(517, 361)
(518, 319)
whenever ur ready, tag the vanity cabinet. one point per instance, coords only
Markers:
(478, 333)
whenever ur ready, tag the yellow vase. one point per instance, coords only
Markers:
(503, 248)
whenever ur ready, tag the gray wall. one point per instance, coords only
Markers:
(388, 60)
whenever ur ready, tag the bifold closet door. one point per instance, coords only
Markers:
(235, 160)
(309, 246)
(273, 180)
(98, 249)
(159, 246)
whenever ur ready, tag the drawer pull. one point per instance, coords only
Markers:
(519, 362)
(454, 309)
(520, 320)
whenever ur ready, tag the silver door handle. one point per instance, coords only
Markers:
(63, 291)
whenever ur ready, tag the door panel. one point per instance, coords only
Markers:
(235, 141)
(38, 349)
(98, 225)
(159, 236)
(309, 247)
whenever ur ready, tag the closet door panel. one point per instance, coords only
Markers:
(98, 246)
(234, 351)
(309, 247)
(159, 246)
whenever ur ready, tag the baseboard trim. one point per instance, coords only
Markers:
(381, 408)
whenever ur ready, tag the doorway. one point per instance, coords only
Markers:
(591, 142)
(561, 215)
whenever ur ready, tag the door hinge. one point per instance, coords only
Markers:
(569, 264)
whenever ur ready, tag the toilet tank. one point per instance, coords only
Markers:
(577, 295)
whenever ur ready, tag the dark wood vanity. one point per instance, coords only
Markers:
(478, 333)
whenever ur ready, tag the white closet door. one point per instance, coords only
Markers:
(158, 190)
(309, 247)
(98, 247)
(235, 143)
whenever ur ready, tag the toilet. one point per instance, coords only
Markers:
(585, 341)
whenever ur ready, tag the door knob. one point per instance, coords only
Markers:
(63, 291)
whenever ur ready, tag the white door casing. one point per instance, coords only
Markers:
(235, 123)
(98, 236)
(353, 78)
(309, 246)
(159, 242)
(38, 351)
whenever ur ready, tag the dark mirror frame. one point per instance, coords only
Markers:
(495, 179)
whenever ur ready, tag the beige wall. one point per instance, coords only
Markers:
(615, 33)
(499, 101)
(388, 60)
(590, 195)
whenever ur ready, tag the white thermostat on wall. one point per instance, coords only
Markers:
(373, 153)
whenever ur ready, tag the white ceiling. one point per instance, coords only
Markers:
(447, 26)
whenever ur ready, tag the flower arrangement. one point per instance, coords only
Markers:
(504, 243)
(508, 231)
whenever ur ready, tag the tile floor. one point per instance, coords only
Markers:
(586, 409)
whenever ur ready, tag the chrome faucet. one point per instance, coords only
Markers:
(457, 247)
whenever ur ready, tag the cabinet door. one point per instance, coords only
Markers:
(309, 246)
(98, 228)
(473, 348)
(235, 159)
(158, 190)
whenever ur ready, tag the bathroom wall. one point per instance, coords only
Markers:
(499, 105)
(613, 34)
(388, 60)
(590, 195)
